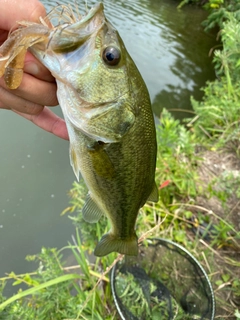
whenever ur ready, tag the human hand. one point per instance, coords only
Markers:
(38, 87)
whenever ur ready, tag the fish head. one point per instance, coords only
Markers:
(92, 68)
(100, 75)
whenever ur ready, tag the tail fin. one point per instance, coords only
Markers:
(110, 243)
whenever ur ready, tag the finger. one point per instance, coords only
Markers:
(3, 36)
(12, 11)
(49, 121)
(33, 90)
(11, 101)
(33, 67)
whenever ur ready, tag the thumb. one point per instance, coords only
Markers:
(13, 11)
(35, 68)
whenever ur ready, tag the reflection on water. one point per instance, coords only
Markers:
(170, 50)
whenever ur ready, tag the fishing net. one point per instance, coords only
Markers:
(163, 282)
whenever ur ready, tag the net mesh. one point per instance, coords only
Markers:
(163, 282)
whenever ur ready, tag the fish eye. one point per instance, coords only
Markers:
(111, 56)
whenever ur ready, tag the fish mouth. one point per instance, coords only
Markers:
(92, 21)
(95, 15)
(98, 8)
(69, 36)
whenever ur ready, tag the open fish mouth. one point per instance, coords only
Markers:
(71, 31)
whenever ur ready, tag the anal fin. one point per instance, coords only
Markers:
(153, 197)
(91, 212)
(109, 243)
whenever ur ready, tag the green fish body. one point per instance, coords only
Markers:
(111, 128)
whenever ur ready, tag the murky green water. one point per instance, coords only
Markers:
(171, 51)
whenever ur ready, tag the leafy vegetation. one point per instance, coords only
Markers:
(198, 175)
(82, 290)
(218, 113)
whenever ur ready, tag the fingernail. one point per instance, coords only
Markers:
(31, 68)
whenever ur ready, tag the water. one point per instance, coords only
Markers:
(170, 50)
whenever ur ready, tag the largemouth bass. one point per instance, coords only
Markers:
(108, 113)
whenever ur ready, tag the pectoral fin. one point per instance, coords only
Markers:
(112, 125)
(74, 161)
(110, 243)
(91, 212)
(108, 125)
(153, 197)
(100, 160)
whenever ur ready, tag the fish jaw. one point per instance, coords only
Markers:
(70, 36)
(62, 51)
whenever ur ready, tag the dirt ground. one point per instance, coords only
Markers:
(222, 172)
(212, 167)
